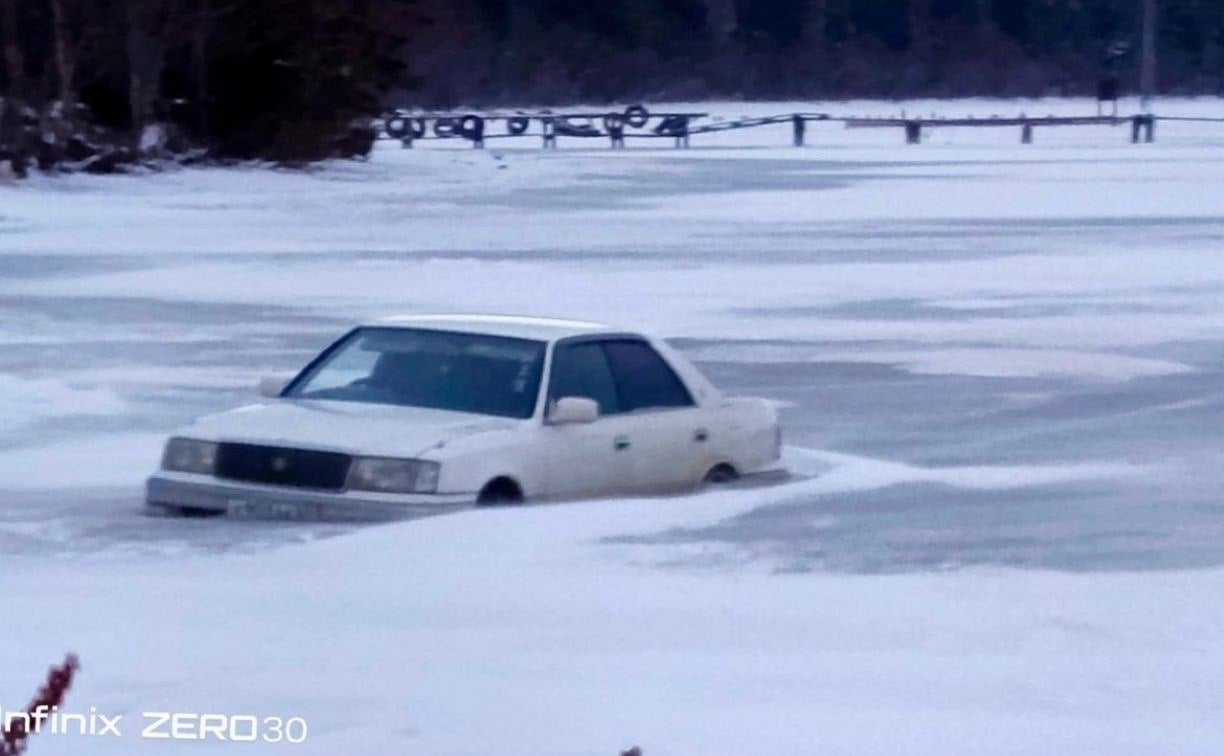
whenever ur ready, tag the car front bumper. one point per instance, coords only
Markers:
(167, 492)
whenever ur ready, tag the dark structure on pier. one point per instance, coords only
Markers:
(636, 122)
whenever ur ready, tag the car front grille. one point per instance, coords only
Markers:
(297, 468)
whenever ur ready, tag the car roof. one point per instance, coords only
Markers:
(515, 326)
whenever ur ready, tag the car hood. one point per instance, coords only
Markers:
(350, 427)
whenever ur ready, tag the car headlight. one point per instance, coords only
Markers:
(389, 475)
(190, 456)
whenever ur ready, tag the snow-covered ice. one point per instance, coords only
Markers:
(1000, 369)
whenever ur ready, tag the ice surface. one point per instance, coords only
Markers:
(1002, 364)
(25, 401)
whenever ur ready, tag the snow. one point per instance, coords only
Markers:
(23, 401)
(97, 460)
(979, 362)
(519, 632)
(999, 368)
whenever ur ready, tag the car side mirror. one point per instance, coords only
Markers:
(574, 410)
(273, 386)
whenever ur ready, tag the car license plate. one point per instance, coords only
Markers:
(264, 510)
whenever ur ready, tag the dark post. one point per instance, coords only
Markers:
(1107, 91)
(800, 126)
(615, 124)
(1026, 134)
(1144, 125)
(913, 132)
(477, 131)
(549, 130)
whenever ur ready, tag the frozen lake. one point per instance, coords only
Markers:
(965, 303)
(1001, 363)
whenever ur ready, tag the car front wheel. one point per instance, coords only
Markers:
(499, 493)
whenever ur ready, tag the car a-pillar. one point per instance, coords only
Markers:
(501, 491)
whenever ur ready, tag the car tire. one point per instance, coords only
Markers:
(517, 126)
(720, 475)
(636, 116)
(444, 127)
(500, 492)
(470, 127)
(397, 127)
(186, 513)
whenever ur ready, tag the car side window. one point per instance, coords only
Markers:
(582, 370)
(643, 378)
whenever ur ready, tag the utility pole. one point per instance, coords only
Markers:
(1147, 65)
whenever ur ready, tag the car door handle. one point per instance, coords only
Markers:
(700, 435)
(621, 443)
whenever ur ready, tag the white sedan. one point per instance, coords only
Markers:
(414, 414)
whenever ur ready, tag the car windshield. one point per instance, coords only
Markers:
(462, 372)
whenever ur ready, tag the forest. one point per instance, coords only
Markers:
(83, 81)
(557, 51)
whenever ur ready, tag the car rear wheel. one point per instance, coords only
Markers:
(721, 475)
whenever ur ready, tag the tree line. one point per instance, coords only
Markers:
(298, 79)
(108, 81)
(557, 51)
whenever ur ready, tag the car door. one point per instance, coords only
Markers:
(663, 424)
(592, 459)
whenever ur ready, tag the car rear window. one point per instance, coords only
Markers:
(643, 378)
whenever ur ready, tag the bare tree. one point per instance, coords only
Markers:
(65, 54)
(815, 24)
(14, 62)
(199, 21)
(985, 15)
(920, 28)
(1217, 69)
(146, 23)
(1211, 15)
(1147, 65)
(722, 19)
